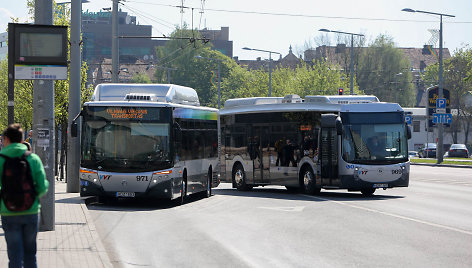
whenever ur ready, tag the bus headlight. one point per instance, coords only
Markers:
(161, 176)
(88, 175)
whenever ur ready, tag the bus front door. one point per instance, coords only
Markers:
(328, 154)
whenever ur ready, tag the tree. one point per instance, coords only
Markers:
(385, 72)
(179, 55)
(141, 78)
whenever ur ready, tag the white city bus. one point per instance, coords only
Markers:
(320, 142)
(147, 140)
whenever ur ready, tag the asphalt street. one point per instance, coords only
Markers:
(428, 224)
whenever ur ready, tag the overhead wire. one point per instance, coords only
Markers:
(153, 17)
(143, 16)
(305, 15)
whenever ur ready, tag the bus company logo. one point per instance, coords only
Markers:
(363, 172)
(349, 166)
(104, 177)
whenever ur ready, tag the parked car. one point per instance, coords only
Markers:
(428, 150)
(413, 154)
(458, 150)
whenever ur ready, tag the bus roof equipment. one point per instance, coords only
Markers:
(168, 93)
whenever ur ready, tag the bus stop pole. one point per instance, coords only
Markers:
(43, 125)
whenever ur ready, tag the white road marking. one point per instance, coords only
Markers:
(288, 209)
(393, 215)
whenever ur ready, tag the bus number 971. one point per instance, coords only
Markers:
(142, 178)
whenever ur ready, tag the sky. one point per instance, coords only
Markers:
(277, 25)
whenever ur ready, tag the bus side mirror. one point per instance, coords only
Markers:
(408, 131)
(73, 129)
(177, 132)
(332, 121)
(339, 126)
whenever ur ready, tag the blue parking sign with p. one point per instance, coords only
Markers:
(408, 119)
(441, 103)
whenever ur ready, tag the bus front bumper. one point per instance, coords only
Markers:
(160, 190)
(354, 183)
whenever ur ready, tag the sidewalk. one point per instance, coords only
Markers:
(74, 241)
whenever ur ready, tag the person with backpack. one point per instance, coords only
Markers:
(23, 181)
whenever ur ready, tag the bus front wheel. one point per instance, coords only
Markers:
(183, 190)
(368, 191)
(307, 181)
(239, 178)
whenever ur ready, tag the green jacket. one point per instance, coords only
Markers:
(39, 177)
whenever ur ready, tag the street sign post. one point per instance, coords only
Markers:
(442, 118)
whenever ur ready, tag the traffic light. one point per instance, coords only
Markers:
(340, 91)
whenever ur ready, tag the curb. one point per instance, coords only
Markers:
(441, 165)
(96, 238)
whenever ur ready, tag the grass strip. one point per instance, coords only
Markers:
(434, 161)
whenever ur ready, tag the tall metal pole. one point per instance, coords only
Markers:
(73, 143)
(219, 88)
(270, 74)
(351, 91)
(440, 93)
(11, 76)
(43, 124)
(115, 57)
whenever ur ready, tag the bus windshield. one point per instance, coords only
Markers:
(370, 138)
(125, 145)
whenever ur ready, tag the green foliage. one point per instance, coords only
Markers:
(384, 71)
(141, 78)
(185, 69)
(319, 79)
(455, 72)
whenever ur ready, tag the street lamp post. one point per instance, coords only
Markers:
(270, 64)
(440, 150)
(73, 143)
(219, 79)
(351, 69)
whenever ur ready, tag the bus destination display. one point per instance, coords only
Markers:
(127, 113)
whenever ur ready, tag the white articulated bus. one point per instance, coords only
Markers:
(320, 142)
(147, 140)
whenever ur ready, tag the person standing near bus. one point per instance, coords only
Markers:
(21, 227)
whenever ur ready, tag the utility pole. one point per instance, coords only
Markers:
(440, 146)
(115, 56)
(73, 143)
(43, 124)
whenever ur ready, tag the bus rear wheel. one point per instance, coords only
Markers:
(368, 191)
(307, 181)
(239, 178)
(207, 192)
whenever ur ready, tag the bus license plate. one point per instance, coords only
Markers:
(125, 194)
(381, 185)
